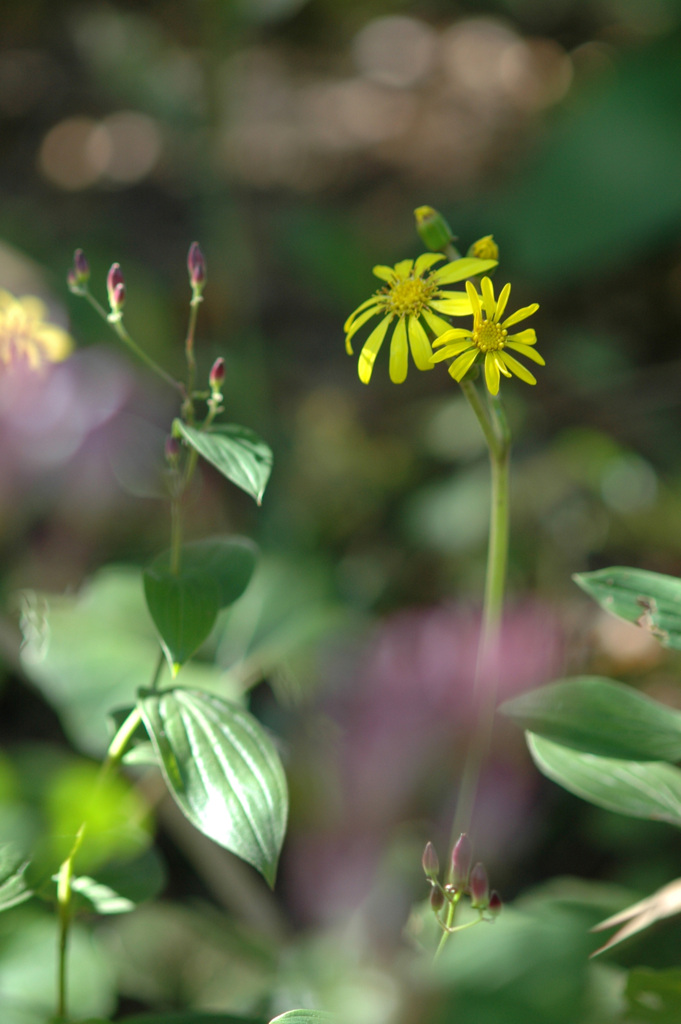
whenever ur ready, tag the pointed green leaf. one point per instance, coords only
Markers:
(228, 562)
(236, 452)
(184, 608)
(640, 789)
(600, 717)
(14, 888)
(223, 771)
(648, 599)
(187, 1017)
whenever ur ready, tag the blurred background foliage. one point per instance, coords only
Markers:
(293, 139)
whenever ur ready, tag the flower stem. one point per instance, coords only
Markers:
(114, 754)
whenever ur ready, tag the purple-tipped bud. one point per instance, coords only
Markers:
(216, 377)
(196, 265)
(495, 904)
(172, 449)
(115, 286)
(72, 282)
(462, 855)
(479, 886)
(429, 862)
(81, 267)
(437, 899)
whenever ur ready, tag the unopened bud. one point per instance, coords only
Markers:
(429, 862)
(462, 855)
(479, 887)
(433, 229)
(216, 377)
(495, 904)
(437, 899)
(72, 282)
(196, 265)
(484, 249)
(115, 286)
(81, 267)
(172, 450)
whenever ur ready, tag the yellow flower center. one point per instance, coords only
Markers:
(409, 297)
(489, 336)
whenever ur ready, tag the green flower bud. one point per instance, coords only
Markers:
(433, 229)
(430, 863)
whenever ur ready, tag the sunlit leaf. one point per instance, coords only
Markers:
(303, 1017)
(14, 888)
(236, 452)
(641, 915)
(223, 771)
(600, 717)
(641, 789)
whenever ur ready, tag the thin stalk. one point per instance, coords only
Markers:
(191, 358)
(132, 344)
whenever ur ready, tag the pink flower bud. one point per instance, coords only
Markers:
(172, 449)
(72, 282)
(495, 904)
(462, 855)
(115, 285)
(196, 265)
(217, 374)
(479, 887)
(437, 899)
(429, 862)
(81, 267)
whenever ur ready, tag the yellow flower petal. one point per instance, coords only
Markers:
(488, 303)
(455, 304)
(528, 337)
(502, 302)
(367, 356)
(521, 314)
(436, 323)
(385, 273)
(501, 366)
(399, 353)
(518, 368)
(54, 342)
(356, 324)
(373, 301)
(462, 365)
(419, 344)
(458, 270)
(491, 374)
(475, 300)
(525, 350)
(452, 334)
(427, 260)
(403, 268)
(451, 350)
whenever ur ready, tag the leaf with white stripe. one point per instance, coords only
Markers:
(223, 771)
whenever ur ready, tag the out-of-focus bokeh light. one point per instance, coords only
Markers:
(79, 152)
(396, 50)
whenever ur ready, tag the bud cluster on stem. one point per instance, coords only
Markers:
(462, 880)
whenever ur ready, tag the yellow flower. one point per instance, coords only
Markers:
(24, 334)
(485, 248)
(490, 337)
(413, 293)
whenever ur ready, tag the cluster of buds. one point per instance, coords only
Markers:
(464, 879)
(436, 235)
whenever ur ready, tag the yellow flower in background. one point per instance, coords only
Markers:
(413, 294)
(26, 337)
(485, 248)
(490, 337)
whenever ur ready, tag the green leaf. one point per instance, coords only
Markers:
(184, 608)
(600, 717)
(641, 789)
(303, 1017)
(654, 997)
(13, 886)
(648, 599)
(228, 562)
(117, 888)
(223, 771)
(236, 452)
(189, 1017)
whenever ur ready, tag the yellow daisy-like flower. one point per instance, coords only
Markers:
(413, 293)
(490, 337)
(24, 334)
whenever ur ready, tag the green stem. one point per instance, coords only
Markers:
(448, 924)
(132, 344)
(494, 426)
(116, 750)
